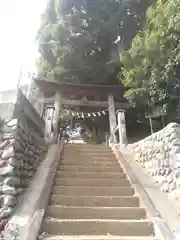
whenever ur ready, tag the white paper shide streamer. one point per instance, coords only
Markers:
(89, 114)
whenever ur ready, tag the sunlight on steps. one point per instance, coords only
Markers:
(92, 198)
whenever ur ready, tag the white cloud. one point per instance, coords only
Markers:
(19, 21)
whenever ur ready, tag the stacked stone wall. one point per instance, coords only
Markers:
(21, 152)
(160, 155)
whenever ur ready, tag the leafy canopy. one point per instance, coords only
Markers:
(77, 38)
(151, 66)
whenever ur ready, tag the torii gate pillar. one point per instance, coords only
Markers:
(57, 106)
(122, 127)
(112, 117)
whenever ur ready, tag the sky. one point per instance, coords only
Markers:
(19, 22)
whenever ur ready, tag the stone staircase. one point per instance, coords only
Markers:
(92, 198)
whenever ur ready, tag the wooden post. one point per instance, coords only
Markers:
(38, 104)
(162, 118)
(42, 108)
(57, 106)
(48, 123)
(112, 117)
(150, 122)
(41, 104)
(107, 144)
(122, 127)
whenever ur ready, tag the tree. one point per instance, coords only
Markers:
(82, 35)
(151, 65)
(64, 115)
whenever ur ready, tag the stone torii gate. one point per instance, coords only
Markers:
(83, 96)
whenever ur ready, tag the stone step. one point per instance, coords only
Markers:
(95, 237)
(98, 227)
(72, 147)
(106, 201)
(92, 199)
(89, 169)
(121, 213)
(91, 182)
(87, 146)
(89, 156)
(87, 151)
(92, 191)
(101, 156)
(90, 163)
(89, 175)
(83, 157)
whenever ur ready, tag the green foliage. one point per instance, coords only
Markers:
(94, 138)
(64, 115)
(1, 125)
(85, 32)
(151, 65)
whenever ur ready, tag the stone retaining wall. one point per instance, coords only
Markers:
(160, 155)
(20, 154)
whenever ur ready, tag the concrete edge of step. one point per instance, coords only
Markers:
(93, 237)
(25, 224)
(165, 219)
